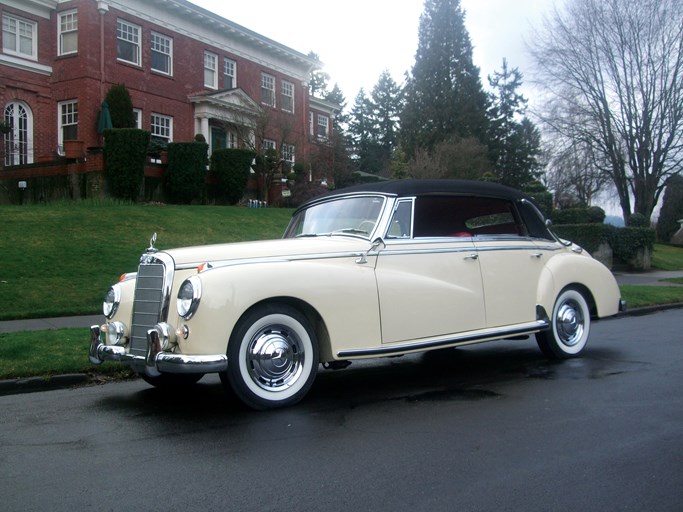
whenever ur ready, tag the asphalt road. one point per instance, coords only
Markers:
(492, 427)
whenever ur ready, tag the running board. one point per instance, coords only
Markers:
(467, 339)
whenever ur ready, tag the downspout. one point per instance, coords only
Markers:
(102, 8)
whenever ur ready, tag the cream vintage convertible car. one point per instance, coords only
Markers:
(370, 271)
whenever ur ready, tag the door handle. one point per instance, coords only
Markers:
(472, 257)
(536, 254)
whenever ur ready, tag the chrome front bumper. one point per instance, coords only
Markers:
(156, 361)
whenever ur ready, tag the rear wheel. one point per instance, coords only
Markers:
(272, 357)
(570, 326)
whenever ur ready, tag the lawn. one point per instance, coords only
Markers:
(59, 260)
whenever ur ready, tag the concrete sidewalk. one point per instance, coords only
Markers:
(42, 324)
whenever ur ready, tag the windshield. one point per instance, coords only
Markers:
(352, 216)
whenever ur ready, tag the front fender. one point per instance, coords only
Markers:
(343, 293)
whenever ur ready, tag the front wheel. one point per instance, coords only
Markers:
(570, 326)
(272, 357)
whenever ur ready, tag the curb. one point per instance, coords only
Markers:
(32, 384)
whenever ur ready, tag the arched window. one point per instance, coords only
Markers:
(18, 138)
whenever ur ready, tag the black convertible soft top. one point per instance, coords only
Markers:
(402, 188)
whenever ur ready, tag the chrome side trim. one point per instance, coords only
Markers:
(466, 339)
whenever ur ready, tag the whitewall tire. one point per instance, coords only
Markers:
(570, 326)
(272, 357)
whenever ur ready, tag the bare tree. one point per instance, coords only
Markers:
(613, 70)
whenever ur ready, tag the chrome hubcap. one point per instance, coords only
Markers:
(569, 323)
(275, 358)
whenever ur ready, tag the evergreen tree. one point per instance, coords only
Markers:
(363, 134)
(386, 105)
(672, 209)
(514, 141)
(336, 96)
(443, 94)
(319, 79)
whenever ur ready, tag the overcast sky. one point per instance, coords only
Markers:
(358, 39)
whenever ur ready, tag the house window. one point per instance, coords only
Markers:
(68, 121)
(287, 99)
(268, 90)
(18, 140)
(68, 32)
(288, 153)
(268, 144)
(137, 115)
(311, 129)
(323, 124)
(162, 127)
(127, 42)
(210, 70)
(162, 53)
(229, 74)
(19, 37)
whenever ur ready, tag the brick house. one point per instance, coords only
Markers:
(188, 71)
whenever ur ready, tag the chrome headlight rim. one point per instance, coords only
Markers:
(189, 297)
(117, 333)
(111, 302)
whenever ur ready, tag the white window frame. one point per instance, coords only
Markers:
(311, 128)
(161, 44)
(137, 114)
(268, 144)
(20, 24)
(67, 27)
(210, 70)
(323, 126)
(131, 35)
(288, 153)
(287, 99)
(18, 142)
(161, 126)
(229, 70)
(268, 90)
(67, 115)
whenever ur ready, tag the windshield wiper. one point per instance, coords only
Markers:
(351, 231)
(306, 235)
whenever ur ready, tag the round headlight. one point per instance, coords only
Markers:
(189, 295)
(112, 299)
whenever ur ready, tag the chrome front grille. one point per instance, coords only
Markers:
(152, 296)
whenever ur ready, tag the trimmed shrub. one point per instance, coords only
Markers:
(625, 242)
(120, 107)
(186, 173)
(591, 215)
(125, 150)
(232, 168)
(638, 220)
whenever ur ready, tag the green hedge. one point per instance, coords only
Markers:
(186, 173)
(591, 215)
(625, 242)
(125, 151)
(232, 168)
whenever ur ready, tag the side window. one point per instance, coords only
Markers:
(494, 217)
(465, 216)
(401, 225)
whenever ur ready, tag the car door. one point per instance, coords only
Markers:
(511, 263)
(429, 281)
